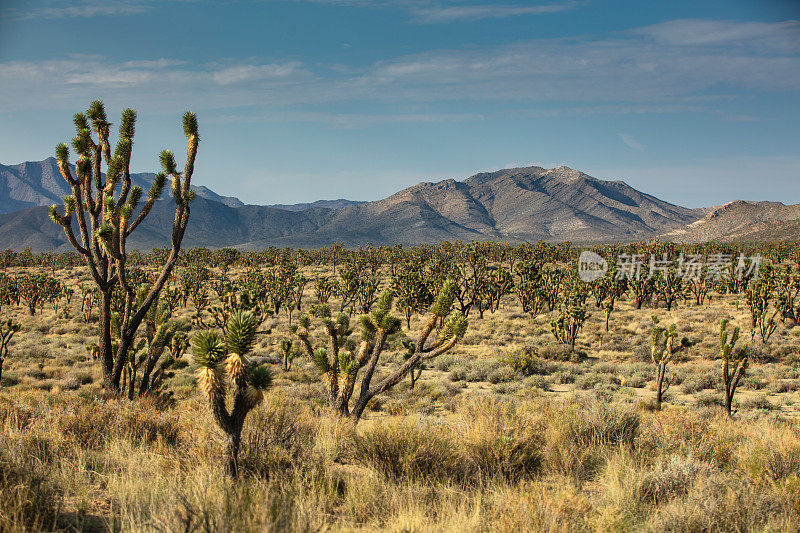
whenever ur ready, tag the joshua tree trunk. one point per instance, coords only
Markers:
(106, 354)
(231, 452)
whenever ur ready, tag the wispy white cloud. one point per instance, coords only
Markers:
(778, 36)
(630, 142)
(79, 9)
(630, 73)
(447, 11)
(455, 13)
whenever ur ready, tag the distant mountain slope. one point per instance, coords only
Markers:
(325, 204)
(39, 183)
(515, 205)
(743, 221)
(521, 204)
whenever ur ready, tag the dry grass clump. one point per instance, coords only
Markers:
(29, 500)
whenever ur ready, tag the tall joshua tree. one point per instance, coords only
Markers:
(108, 210)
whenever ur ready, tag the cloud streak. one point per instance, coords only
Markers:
(444, 12)
(469, 13)
(630, 142)
(88, 9)
(646, 70)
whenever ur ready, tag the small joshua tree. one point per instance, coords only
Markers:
(287, 354)
(7, 330)
(220, 374)
(108, 210)
(569, 322)
(734, 362)
(342, 364)
(662, 347)
(759, 296)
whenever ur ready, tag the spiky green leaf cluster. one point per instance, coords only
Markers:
(304, 321)
(62, 152)
(456, 326)
(241, 334)
(159, 181)
(321, 360)
(167, 160)
(80, 122)
(127, 127)
(381, 317)
(208, 349)
(445, 299)
(97, 113)
(259, 377)
(347, 363)
(190, 124)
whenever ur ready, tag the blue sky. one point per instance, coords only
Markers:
(695, 102)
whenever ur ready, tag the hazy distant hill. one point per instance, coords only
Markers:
(743, 221)
(39, 183)
(520, 204)
(325, 204)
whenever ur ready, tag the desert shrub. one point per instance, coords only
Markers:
(641, 354)
(563, 377)
(507, 388)
(638, 380)
(668, 479)
(29, 501)
(523, 361)
(579, 434)
(783, 385)
(776, 457)
(537, 382)
(709, 399)
(458, 373)
(560, 352)
(406, 449)
(592, 380)
(446, 362)
(503, 374)
(697, 382)
(480, 371)
(278, 438)
(759, 401)
(497, 440)
(92, 424)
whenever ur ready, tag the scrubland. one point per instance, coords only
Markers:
(509, 431)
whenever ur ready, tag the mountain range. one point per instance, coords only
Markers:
(513, 205)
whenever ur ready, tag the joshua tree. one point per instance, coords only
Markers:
(670, 287)
(612, 288)
(734, 362)
(662, 347)
(759, 296)
(342, 366)
(569, 322)
(106, 207)
(219, 374)
(287, 354)
(7, 330)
